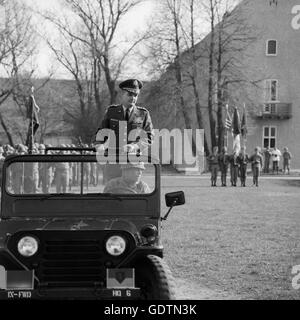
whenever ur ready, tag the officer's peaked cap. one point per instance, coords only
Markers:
(131, 85)
(138, 165)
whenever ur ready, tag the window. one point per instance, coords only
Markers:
(270, 95)
(271, 90)
(78, 178)
(269, 137)
(271, 48)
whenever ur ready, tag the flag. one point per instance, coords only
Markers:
(32, 114)
(244, 124)
(228, 120)
(236, 131)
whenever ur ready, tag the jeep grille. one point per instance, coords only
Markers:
(71, 258)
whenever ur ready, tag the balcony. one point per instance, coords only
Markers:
(275, 110)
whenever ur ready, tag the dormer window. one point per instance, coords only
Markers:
(271, 48)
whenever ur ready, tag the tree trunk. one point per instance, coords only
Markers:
(96, 83)
(111, 83)
(212, 121)
(219, 92)
(178, 74)
(199, 113)
(195, 77)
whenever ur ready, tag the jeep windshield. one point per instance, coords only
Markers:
(60, 178)
(74, 185)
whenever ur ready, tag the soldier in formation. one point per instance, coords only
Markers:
(40, 177)
(267, 158)
(234, 169)
(257, 161)
(223, 164)
(213, 160)
(286, 156)
(243, 160)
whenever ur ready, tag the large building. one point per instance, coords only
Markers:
(269, 65)
(275, 57)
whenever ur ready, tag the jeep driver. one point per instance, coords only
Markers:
(130, 181)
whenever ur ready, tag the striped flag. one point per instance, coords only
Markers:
(236, 131)
(228, 120)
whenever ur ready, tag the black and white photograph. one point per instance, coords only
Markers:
(149, 151)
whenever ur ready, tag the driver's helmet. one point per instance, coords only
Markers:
(139, 165)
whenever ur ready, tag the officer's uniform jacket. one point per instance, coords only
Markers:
(223, 160)
(233, 160)
(139, 119)
(243, 159)
(257, 160)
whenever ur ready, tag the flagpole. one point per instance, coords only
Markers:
(31, 123)
(245, 135)
(226, 133)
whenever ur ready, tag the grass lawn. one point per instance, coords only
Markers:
(242, 242)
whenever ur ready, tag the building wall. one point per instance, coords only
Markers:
(265, 22)
(275, 22)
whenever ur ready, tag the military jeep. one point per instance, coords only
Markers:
(63, 237)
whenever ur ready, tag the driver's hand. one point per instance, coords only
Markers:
(100, 147)
(130, 148)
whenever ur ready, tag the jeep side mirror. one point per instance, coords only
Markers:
(173, 199)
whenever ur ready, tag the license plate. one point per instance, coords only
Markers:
(19, 280)
(119, 278)
(14, 294)
(124, 293)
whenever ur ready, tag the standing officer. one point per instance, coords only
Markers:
(234, 169)
(223, 164)
(257, 162)
(214, 166)
(31, 174)
(287, 156)
(62, 171)
(45, 172)
(267, 154)
(136, 117)
(243, 160)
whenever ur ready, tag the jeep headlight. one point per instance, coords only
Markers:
(115, 245)
(27, 246)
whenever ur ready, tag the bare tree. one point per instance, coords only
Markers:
(74, 53)
(191, 61)
(101, 20)
(234, 35)
(89, 52)
(165, 48)
(211, 8)
(17, 47)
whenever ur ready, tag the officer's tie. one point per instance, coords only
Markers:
(127, 114)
